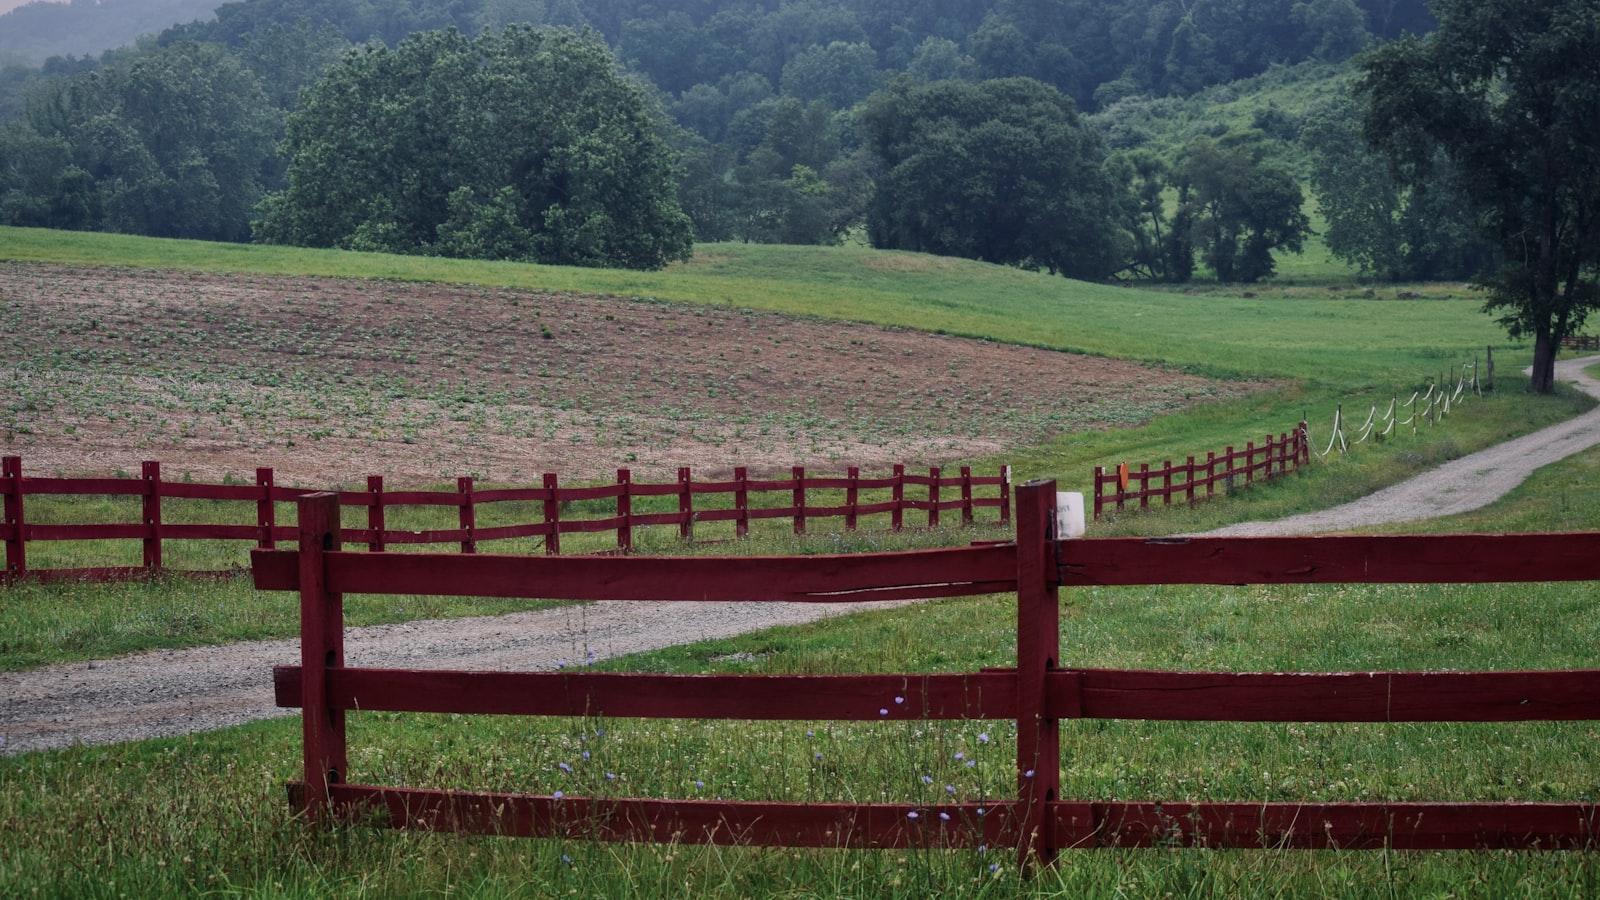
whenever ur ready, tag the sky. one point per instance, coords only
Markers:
(8, 5)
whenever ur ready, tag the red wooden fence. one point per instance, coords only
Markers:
(1193, 481)
(1581, 342)
(152, 532)
(1038, 692)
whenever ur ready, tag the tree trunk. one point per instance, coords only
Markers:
(1542, 379)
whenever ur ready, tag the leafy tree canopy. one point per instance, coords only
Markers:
(1003, 171)
(1509, 92)
(522, 144)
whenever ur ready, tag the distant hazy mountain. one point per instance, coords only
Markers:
(32, 32)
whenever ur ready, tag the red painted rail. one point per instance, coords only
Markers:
(1037, 692)
(555, 502)
(1195, 480)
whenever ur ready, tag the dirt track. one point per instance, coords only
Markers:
(1459, 486)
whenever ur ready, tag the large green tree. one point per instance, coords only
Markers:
(1003, 171)
(1388, 229)
(1509, 92)
(523, 144)
(1239, 206)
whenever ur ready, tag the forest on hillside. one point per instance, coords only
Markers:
(1027, 132)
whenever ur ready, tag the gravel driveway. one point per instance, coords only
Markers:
(169, 692)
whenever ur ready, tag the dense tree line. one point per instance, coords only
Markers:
(770, 117)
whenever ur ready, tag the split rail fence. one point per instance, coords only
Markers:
(961, 494)
(1193, 481)
(1581, 342)
(1038, 692)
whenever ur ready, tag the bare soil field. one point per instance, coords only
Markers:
(330, 379)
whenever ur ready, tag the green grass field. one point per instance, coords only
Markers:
(206, 814)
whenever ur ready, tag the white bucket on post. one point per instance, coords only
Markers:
(1069, 514)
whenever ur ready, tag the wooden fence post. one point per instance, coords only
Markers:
(799, 473)
(1038, 651)
(1005, 495)
(933, 497)
(966, 495)
(1488, 384)
(468, 516)
(1211, 473)
(852, 496)
(321, 649)
(1144, 485)
(150, 471)
(1166, 482)
(16, 541)
(552, 515)
(741, 500)
(624, 511)
(897, 493)
(685, 504)
(1188, 482)
(1099, 480)
(375, 518)
(266, 510)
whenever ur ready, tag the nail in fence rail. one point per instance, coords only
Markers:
(1279, 456)
(1036, 693)
(154, 531)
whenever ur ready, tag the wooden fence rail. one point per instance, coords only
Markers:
(1036, 693)
(1194, 480)
(379, 502)
(1581, 342)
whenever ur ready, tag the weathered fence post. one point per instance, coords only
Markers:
(685, 504)
(1144, 485)
(1005, 495)
(552, 515)
(1188, 483)
(321, 649)
(852, 494)
(966, 495)
(1166, 482)
(266, 510)
(16, 539)
(741, 500)
(799, 473)
(468, 516)
(1038, 651)
(150, 471)
(375, 517)
(624, 511)
(897, 493)
(933, 497)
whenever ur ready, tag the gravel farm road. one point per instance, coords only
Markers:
(1458, 486)
(172, 692)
